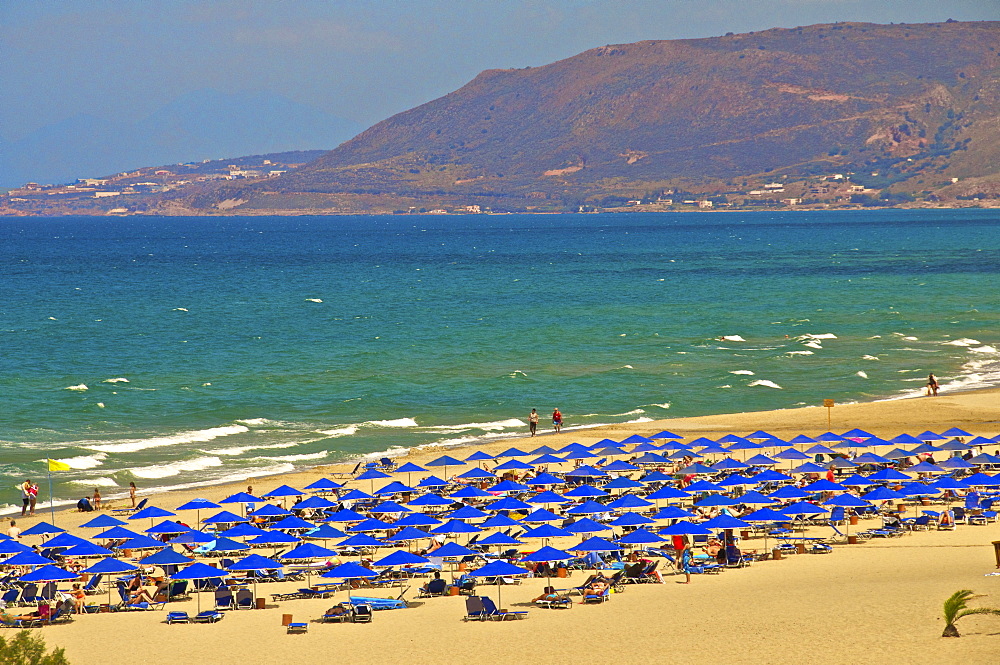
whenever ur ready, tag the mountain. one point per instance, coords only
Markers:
(199, 125)
(905, 108)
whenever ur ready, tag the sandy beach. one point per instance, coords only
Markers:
(869, 603)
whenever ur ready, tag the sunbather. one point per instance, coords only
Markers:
(337, 610)
(548, 595)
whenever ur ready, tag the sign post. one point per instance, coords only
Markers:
(828, 403)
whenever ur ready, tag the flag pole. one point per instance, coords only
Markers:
(52, 509)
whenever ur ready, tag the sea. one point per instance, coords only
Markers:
(183, 352)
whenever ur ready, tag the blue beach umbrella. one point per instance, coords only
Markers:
(498, 521)
(324, 485)
(586, 525)
(640, 537)
(324, 532)
(630, 519)
(165, 557)
(41, 529)
(102, 522)
(540, 515)
(29, 558)
(407, 534)
(266, 510)
(400, 558)
(546, 555)
(192, 538)
(416, 519)
(307, 551)
(48, 573)
(85, 550)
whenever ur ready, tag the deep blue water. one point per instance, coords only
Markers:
(207, 357)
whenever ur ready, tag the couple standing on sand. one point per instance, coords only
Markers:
(533, 420)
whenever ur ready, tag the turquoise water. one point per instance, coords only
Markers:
(185, 351)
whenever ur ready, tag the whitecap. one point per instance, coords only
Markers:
(911, 338)
(868, 357)
(815, 345)
(633, 412)
(258, 422)
(725, 386)
(120, 379)
(95, 482)
(196, 436)
(79, 387)
(179, 309)
(733, 338)
(487, 427)
(964, 341)
(984, 349)
(799, 353)
(398, 422)
(239, 450)
(639, 420)
(626, 367)
(741, 371)
(765, 383)
(862, 374)
(343, 431)
(817, 336)
(516, 373)
(297, 458)
(100, 405)
(314, 300)
(84, 461)
(175, 468)
(664, 405)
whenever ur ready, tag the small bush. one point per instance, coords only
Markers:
(28, 649)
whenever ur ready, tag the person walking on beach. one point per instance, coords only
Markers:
(25, 496)
(96, 500)
(557, 419)
(932, 386)
(533, 422)
(131, 493)
(32, 497)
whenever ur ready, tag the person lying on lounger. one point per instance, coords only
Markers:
(548, 595)
(146, 594)
(337, 610)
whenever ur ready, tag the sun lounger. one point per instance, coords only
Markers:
(178, 617)
(128, 511)
(474, 609)
(492, 613)
(435, 587)
(208, 616)
(297, 628)
(361, 613)
(602, 597)
(559, 601)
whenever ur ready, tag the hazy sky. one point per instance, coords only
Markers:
(361, 60)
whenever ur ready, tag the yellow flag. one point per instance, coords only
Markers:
(56, 465)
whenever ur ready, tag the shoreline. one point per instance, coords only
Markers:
(976, 410)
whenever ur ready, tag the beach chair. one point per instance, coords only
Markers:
(297, 628)
(208, 616)
(492, 613)
(10, 597)
(466, 585)
(559, 601)
(29, 595)
(178, 617)
(178, 590)
(244, 599)
(223, 599)
(128, 511)
(961, 517)
(474, 609)
(362, 613)
(93, 585)
(435, 587)
(633, 574)
(337, 616)
(602, 597)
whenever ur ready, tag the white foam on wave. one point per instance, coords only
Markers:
(257, 422)
(84, 461)
(120, 379)
(175, 468)
(239, 450)
(964, 341)
(398, 422)
(733, 338)
(765, 383)
(494, 426)
(868, 357)
(633, 412)
(911, 338)
(984, 349)
(196, 436)
(314, 300)
(343, 431)
(862, 374)
(799, 353)
(626, 367)
(297, 458)
(95, 482)
(664, 405)
(516, 373)
(179, 309)
(78, 387)
(817, 336)
(741, 371)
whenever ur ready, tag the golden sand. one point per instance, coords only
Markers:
(877, 602)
